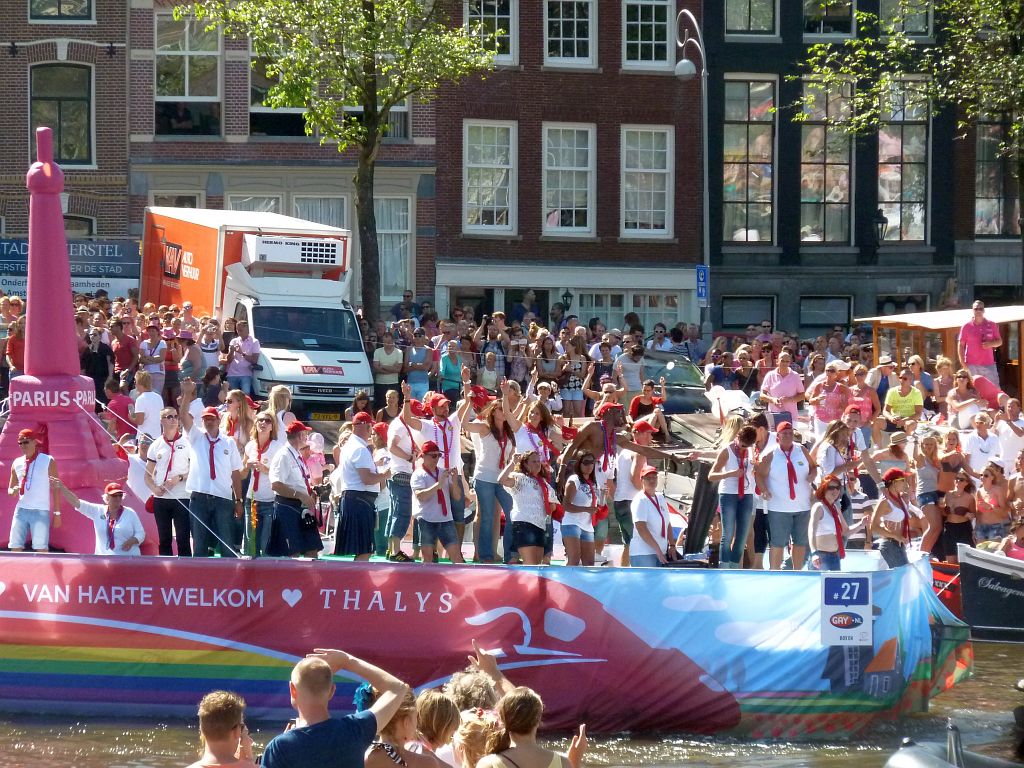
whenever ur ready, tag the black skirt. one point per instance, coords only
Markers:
(290, 533)
(357, 519)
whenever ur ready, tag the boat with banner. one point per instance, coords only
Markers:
(992, 586)
(635, 649)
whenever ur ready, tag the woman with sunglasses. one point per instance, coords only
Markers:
(419, 364)
(734, 472)
(264, 443)
(993, 520)
(828, 529)
(865, 398)
(958, 509)
(963, 402)
(890, 520)
(584, 494)
(927, 466)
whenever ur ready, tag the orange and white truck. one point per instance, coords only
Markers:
(289, 278)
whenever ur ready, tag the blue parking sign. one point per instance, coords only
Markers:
(703, 284)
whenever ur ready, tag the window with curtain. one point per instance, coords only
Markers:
(489, 173)
(258, 203)
(62, 100)
(647, 180)
(394, 240)
(569, 170)
(825, 166)
(748, 179)
(750, 17)
(996, 202)
(903, 162)
(329, 211)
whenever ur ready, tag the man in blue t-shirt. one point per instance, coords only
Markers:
(317, 738)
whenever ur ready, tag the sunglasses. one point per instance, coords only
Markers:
(23, 442)
(961, 479)
(433, 454)
(587, 462)
(169, 417)
(264, 421)
(961, 376)
(833, 488)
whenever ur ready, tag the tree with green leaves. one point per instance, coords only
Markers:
(371, 54)
(973, 63)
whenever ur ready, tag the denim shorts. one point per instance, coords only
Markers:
(575, 532)
(571, 394)
(644, 561)
(35, 520)
(527, 535)
(827, 561)
(989, 531)
(931, 497)
(430, 533)
(783, 525)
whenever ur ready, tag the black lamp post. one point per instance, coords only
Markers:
(881, 227)
(567, 298)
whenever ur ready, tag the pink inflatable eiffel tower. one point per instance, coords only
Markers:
(52, 397)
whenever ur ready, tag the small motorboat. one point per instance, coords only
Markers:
(935, 754)
(992, 590)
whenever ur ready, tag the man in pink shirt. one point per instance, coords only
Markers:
(977, 340)
(782, 390)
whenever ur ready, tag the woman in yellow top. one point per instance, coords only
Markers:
(903, 405)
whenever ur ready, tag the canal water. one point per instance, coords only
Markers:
(981, 707)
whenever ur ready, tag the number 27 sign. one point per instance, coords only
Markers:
(846, 610)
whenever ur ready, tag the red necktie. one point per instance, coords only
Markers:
(259, 458)
(741, 457)
(657, 506)
(440, 492)
(791, 470)
(24, 478)
(757, 458)
(444, 439)
(839, 528)
(111, 522)
(213, 464)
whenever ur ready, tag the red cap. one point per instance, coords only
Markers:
(480, 398)
(113, 488)
(782, 426)
(892, 475)
(27, 434)
(253, 405)
(603, 408)
(648, 470)
(644, 426)
(430, 447)
(852, 409)
(362, 418)
(297, 426)
(433, 398)
(416, 407)
(210, 413)
(381, 429)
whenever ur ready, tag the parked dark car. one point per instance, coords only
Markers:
(684, 382)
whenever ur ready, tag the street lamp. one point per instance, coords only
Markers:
(685, 70)
(881, 227)
(567, 298)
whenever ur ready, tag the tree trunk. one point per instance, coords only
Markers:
(366, 221)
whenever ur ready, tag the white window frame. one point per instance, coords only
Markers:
(93, 163)
(219, 55)
(754, 35)
(670, 45)
(591, 229)
(851, 168)
(232, 198)
(344, 206)
(576, 62)
(669, 172)
(410, 275)
(198, 194)
(901, 203)
(513, 178)
(749, 77)
(512, 57)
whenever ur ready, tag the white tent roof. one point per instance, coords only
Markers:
(947, 318)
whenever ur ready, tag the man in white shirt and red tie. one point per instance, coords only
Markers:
(295, 530)
(358, 480)
(785, 473)
(30, 481)
(214, 479)
(433, 489)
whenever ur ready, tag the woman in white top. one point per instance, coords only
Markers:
(583, 495)
(827, 529)
(263, 445)
(535, 432)
(494, 444)
(650, 546)
(734, 472)
(279, 403)
(533, 500)
(891, 518)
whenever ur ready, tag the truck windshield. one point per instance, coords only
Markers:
(307, 328)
